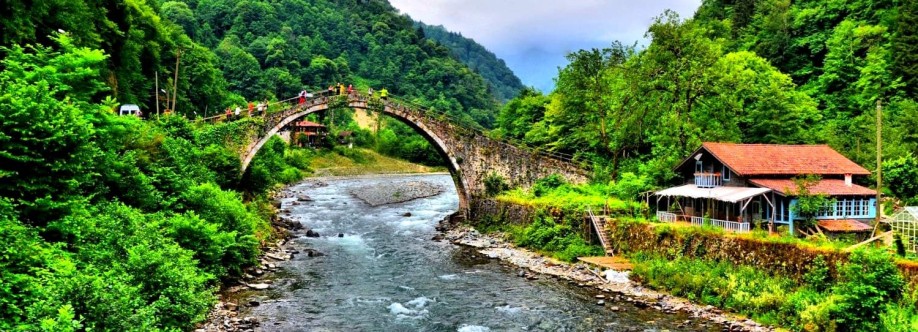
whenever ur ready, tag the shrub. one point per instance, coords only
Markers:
(495, 184)
(558, 240)
(211, 245)
(226, 210)
(868, 282)
(630, 185)
(547, 183)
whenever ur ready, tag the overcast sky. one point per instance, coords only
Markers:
(533, 36)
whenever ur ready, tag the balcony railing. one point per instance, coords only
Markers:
(735, 226)
(708, 180)
(664, 216)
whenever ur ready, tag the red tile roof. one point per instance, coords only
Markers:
(833, 187)
(844, 225)
(775, 159)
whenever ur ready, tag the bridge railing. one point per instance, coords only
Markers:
(276, 111)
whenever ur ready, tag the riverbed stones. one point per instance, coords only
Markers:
(312, 233)
(258, 286)
(582, 275)
(398, 192)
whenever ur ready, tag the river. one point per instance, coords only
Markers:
(386, 274)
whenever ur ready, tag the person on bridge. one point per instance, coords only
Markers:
(331, 90)
(370, 92)
(341, 89)
(229, 112)
(251, 108)
(384, 94)
(302, 97)
(262, 106)
(350, 89)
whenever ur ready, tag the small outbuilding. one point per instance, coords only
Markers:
(308, 133)
(905, 223)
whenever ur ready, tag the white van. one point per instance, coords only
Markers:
(129, 109)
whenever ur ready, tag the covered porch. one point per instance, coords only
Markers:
(731, 208)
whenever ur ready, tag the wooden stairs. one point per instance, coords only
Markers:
(599, 224)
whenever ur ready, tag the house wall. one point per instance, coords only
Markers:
(709, 164)
(840, 213)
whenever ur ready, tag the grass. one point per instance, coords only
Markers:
(570, 197)
(359, 161)
(815, 304)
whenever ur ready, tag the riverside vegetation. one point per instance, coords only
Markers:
(115, 223)
(785, 281)
(121, 224)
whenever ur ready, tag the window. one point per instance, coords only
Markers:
(698, 168)
(726, 173)
(783, 209)
(857, 207)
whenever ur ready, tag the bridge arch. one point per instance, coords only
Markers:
(413, 118)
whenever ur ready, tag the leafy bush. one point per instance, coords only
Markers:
(547, 184)
(559, 240)
(127, 275)
(630, 185)
(225, 209)
(495, 184)
(868, 282)
(212, 247)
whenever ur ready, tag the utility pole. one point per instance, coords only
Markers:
(178, 58)
(157, 93)
(879, 165)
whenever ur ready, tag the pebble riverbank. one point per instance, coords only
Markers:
(398, 192)
(611, 286)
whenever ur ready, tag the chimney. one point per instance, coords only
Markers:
(848, 180)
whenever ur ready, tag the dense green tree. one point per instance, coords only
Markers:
(518, 115)
(905, 47)
(901, 177)
(501, 80)
(46, 155)
(179, 13)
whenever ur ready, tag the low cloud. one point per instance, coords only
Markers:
(533, 36)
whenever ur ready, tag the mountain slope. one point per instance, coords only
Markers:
(275, 48)
(503, 82)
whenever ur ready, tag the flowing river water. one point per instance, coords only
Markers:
(386, 274)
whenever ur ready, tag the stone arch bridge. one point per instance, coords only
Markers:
(470, 155)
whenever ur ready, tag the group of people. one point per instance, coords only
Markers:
(340, 90)
(236, 111)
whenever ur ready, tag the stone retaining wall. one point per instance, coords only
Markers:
(772, 256)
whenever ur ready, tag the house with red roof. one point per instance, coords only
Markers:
(307, 133)
(738, 186)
